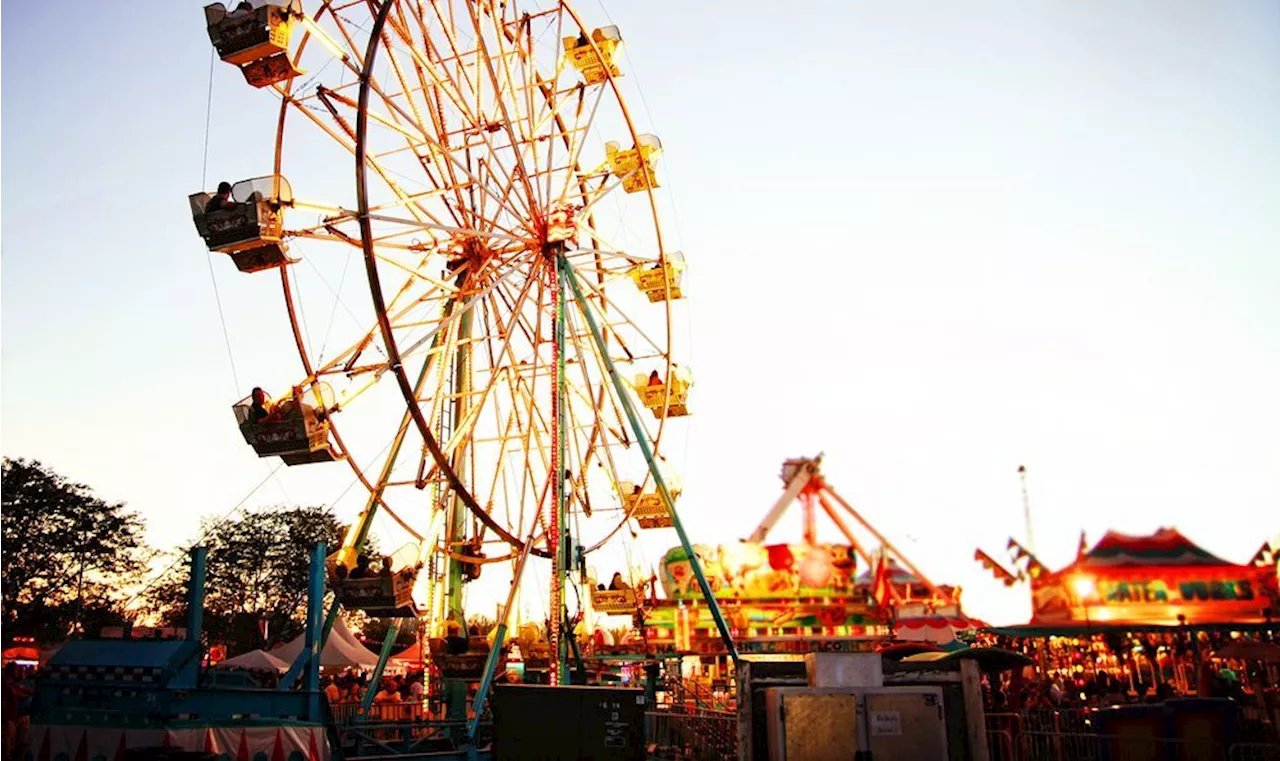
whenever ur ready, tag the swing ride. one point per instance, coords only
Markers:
(796, 597)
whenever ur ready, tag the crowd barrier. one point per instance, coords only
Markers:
(691, 735)
(1069, 736)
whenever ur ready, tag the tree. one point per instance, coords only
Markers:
(70, 557)
(256, 571)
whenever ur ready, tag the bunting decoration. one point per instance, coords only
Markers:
(989, 563)
(1024, 559)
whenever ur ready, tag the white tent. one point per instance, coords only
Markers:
(341, 650)
(254, 660)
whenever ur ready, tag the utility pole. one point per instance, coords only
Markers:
(1026, 509)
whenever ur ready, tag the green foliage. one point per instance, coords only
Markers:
(70, 558)
(483, 623)
(256, 571)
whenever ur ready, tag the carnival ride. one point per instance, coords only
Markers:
(506, 211)
(790, 597)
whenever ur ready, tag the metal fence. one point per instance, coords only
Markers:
(1068, 736)
(688, 735)
(344, 714)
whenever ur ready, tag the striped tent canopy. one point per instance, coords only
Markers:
(1166, 547)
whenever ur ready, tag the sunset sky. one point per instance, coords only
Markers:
(934, 241)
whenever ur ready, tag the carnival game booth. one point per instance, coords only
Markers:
(1140, 607)
(1163, 579)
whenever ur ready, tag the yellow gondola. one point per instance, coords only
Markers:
(653, 279)
(653, 392)
(255, 39)
(637, 166)
(595, 67)
(614, 601)
(647, 507)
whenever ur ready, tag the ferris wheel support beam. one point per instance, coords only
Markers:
(638, 429)
(457, 509)
(558, 535)
(359, 531)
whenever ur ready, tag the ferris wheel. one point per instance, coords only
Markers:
(509, 380)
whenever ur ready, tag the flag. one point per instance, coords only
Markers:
(1033, 566)
(997, 570)
(882, 587)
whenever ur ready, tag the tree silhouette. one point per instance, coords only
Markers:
(70, 558)
(256, 574)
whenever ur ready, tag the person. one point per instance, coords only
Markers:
(362, 570)
(655, 379)
(331, 692)
(618, 583)
(260, 406)
(220, 200)
(14, 692)
(415, 688)
(388, 693)
(455, 640)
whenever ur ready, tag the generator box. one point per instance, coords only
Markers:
(533, 722)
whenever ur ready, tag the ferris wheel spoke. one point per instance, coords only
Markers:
(443, 84)
(608, 253)
(451, 323)
(598, 297)
(579, 140)
(507, 121)
(411, 226)
(606, 389)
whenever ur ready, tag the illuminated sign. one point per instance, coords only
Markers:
(1157, 591)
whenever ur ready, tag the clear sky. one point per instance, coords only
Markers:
(935, 241)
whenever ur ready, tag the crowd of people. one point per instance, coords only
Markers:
(349, 686)
(1073, 676)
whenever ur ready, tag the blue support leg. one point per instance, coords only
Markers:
(315, 633)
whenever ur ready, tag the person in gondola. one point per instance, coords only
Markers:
(260, 407)
(655, 379)
(455, 640)
(220, 200)
(362, 570)
(618, 583)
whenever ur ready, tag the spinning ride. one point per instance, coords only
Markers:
(507, 214)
